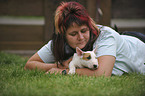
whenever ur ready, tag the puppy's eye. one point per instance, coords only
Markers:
(89, 57)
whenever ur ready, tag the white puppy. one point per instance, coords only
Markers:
(83, 59)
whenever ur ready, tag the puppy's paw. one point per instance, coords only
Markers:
(71, 72)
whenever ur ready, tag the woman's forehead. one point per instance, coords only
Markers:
(75, 26)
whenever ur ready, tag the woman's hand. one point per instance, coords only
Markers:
(60, 67)
(55, 70)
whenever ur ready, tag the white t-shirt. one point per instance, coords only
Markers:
(128, 51)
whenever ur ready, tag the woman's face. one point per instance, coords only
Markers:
(77, 36)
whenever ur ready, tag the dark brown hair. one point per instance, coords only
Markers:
(66, 14)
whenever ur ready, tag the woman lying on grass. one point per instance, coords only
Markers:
(116, 54)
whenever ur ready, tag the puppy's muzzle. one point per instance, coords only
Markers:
(95, 67)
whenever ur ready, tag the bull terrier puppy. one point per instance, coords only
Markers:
(83, 59)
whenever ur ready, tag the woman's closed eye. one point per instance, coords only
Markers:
(73, 33)
(84, 30)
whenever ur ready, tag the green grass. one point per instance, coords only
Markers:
(15, 81)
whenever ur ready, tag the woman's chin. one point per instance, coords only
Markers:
(81, 46)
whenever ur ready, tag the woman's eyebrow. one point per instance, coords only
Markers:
(73, 32)
(84, 28)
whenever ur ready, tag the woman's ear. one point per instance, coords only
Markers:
(79, 51)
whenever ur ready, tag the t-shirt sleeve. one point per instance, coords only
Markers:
(106, 43)
(46, 54)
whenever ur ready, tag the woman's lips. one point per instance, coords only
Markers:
(82, 42)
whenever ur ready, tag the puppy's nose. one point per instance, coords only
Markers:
(95, 66)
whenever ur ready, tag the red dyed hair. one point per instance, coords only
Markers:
(66, 14)
(72, 12)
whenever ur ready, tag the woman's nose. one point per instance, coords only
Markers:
(80, 36)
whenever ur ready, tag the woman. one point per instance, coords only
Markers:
(116, 54)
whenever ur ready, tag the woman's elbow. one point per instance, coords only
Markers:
(27, 65)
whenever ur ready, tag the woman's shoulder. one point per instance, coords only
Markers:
(106, 41)
(105, 31)
(47, 48)
(49, 42)
(105, 28)
(48, 45)
(107, 34)
(45, 53)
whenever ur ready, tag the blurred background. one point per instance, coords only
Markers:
(26, 25)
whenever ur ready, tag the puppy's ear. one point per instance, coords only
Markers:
(94, 50)
(79, 51)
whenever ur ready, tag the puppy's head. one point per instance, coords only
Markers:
(88, 58)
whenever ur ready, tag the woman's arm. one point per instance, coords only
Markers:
(106, 64)
(36, 62)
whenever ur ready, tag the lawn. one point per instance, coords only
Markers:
(15, 81)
